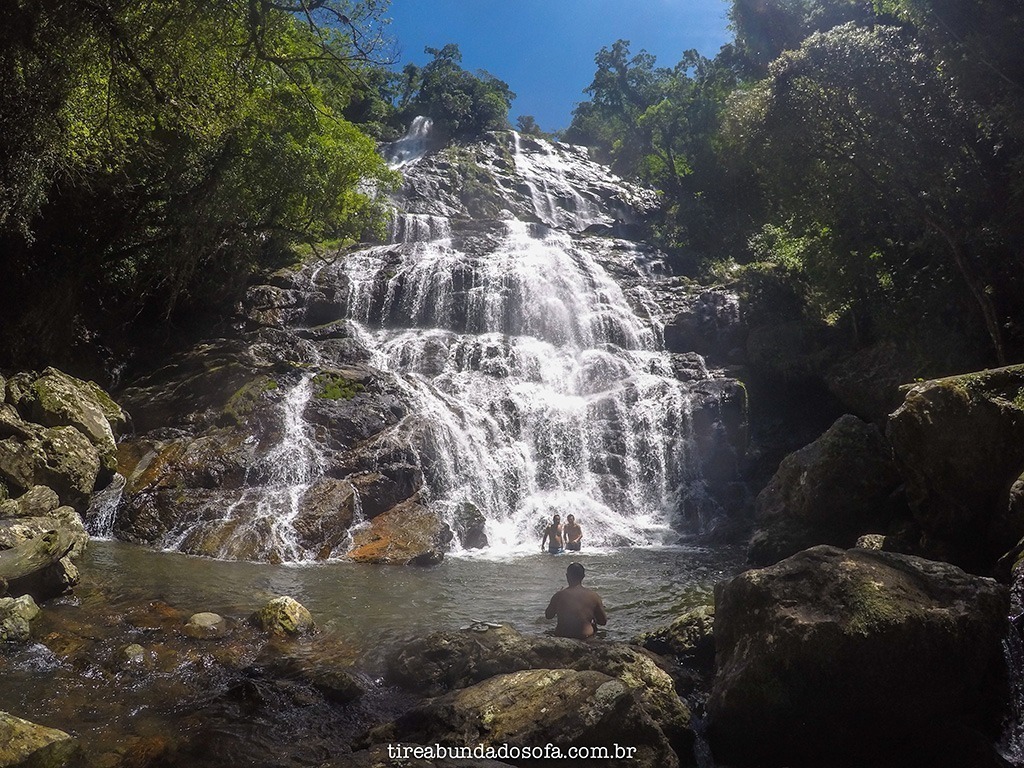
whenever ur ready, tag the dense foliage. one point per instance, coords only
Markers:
(153, 154)
(864, 159)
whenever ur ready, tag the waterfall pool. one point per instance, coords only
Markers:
(203, 703)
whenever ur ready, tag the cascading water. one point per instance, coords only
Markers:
(535, 387)
(413, 145)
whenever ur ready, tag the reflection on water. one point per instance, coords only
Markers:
(206, 704)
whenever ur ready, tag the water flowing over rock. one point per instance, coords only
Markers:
(502, 353)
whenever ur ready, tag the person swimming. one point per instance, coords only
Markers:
(579, 610)
(553, 536)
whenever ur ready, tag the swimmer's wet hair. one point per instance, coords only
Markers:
(575, 571)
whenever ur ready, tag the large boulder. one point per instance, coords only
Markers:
(445, 661)
(959, 444)
(407, 534)
(536, 707)
(689, 637)
(34, 746)
(16, 615)
(59, 457)
(60, 400)
(284, 616)
(857, 654)
(828, 492)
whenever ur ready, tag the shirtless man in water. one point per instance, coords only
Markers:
(579, 609)
(573, 534)
(553, 536)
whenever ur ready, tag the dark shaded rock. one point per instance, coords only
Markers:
(37, 501)
(709, 324)
(537, 707)
(326, 511)
(407, 534)
(959, 444)
(855, 655)
(867, 382)
(829, 492)
(690, 637)
(470, 525)
(792, 351)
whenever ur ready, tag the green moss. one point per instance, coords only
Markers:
(334, 386)
(244, 401)
(869, 606)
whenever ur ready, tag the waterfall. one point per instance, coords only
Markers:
(411, 147)
(535, 387)
(102, 511)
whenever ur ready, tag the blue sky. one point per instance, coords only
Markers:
(544, 49)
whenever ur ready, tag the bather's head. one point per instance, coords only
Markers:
(574, 574)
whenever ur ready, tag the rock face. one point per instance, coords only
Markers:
(959, 444)
(26, 744)
(538, 707)
(829, 492)
(506, 318)
(855, 655)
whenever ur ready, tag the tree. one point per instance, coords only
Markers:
(154, 154)
(857, 131)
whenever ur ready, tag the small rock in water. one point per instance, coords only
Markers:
(206, 626)
(15, 615)
(284, 615)
(133, 654)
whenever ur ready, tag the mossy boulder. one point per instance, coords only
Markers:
(829, 492)
(690, 637)
(959, 445)
(445, 661)
(59, 457)
(284, 616)
(16, 615)
(858, 655)
(535, 707)
(34, 746)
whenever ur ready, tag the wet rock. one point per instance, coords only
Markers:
(959, 444)
(407, 534)
(325, 514)
(690, 637)
(828, 492)
(133, 654)
(39, 566)
(537, 707)
(16, 614)
(34, 746)
(707, 323)
(855, 654)
(284, 616)
(207, 626)
(386, 487)
(470, 526)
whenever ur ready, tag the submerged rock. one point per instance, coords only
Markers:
(829, 492)
(834, 655)
(536, 707)
(285, 616)
(34, 746)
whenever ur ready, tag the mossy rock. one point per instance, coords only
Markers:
(247, 399)
(35, 746)
(284, 616)
(335, 386)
